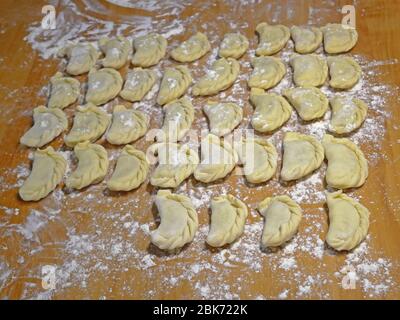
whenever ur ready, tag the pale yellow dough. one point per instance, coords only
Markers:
(306, 39)
(234, 45)
(90, 122)
(192, 49)
(64, 91)
(81, 57)
(221, 76)
(272, 38)
(179, 221)
(228, 217)
(302, 154)
(348, 221)
(137, 84)
(92, 165)
(344, 72)
(103, 85)
(282, 218)
(222, 117)
(47, 172)
(48, 124)
(339, 38)
(174, 84)
(116, 51)
(271, 110)
(309, 70)
(309, 102)
(347, 166)
(127, 125)
(148, 50)
(130, 171)
(267, 73)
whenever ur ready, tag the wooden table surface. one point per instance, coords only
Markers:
(98, 242)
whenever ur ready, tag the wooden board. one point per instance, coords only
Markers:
(98, 241)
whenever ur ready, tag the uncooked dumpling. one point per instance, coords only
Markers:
(306, 39)
(174, 84)
(92, 165)
(267, 73)
(218, 159)
(339, 38)
(127, 125)
(103, 85)
(116, 51)
(234, 45)
(347, 166)
(64, 91)
(47, 172)
(175, 164)
(179, 221)
(221, 76)
(137, 84)
(302, 154)
(90, 122)
(228, 216)
(348, 221)
(259, 158)
(272, 38)
(81, 57)
(309, 70)
(48, 124)
(309, 102)
(271, 110)
(282, 218)
(148, 50)
(222, 117)
(130, 171)
(192, 49)
(344, 72)
(348, 114)
(178, 119)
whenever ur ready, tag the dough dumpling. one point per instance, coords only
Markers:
(282, 217)
(178, 119)
(192, 49)
(234, 45)
(222, 117)
(90, 122)
(228, 216)
(116, 51)
(47, 172)
(218, 159)
(221, 76)
(272, 38)
(267, 73)
(347, 166)
(348, 114)
(149, 50)
(339, 38)
(309, 102)
(81, 57)
(175, 164)
(179, 221)
(345, 72)
(103, 85)
(174, 84)
(348, 221)
(309, 70)
(130, 171)
(259, 158)
(302, 154)
(48, 124)
(306, 39)
(64, 91)
(137, 84)
(92, 165)
(271, 110)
